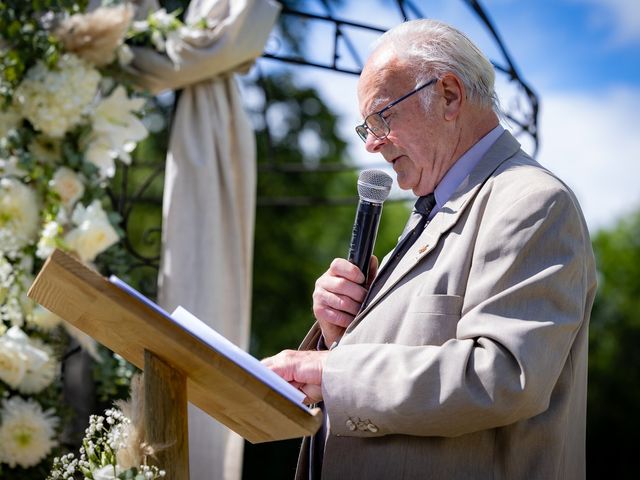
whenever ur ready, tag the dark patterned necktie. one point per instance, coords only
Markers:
(420, 214)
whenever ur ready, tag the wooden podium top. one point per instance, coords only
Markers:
(128, 326)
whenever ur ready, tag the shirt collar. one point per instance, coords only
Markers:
(462, 168)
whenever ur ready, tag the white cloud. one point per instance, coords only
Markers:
(591, 141)
(621, 15)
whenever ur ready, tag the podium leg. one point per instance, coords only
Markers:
(165, 416)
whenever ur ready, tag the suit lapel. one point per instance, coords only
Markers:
(505, 147)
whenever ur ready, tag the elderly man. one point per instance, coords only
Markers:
(466, 358)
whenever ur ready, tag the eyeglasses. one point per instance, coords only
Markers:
(376, 123)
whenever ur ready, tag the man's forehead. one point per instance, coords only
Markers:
(380, 79)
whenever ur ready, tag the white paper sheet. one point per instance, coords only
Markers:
(220, 344)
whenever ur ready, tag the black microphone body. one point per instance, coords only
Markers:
(363, 235)
(373, 189)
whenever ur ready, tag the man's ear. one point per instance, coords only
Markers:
(454, 95)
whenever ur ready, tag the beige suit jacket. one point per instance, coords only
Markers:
(471, 361)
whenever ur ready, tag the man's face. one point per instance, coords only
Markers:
(418, 146)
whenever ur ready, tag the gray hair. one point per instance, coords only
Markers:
(435, 48)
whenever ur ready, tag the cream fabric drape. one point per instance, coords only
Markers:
(209, 194)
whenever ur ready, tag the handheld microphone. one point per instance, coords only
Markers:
(373, 189)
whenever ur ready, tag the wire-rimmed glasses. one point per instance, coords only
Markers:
(376, 123)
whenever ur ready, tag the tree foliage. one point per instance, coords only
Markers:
(614, 356)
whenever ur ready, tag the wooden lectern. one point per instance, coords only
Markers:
(178, 366)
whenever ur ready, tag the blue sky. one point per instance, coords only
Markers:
(582, 57)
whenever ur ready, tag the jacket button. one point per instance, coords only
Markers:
(372, 428)
(350, 425)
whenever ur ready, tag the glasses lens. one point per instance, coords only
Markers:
(361, 130)
(377, 125)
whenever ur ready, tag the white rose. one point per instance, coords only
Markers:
(42, 368)
(13, 360)
(93, 234)
(68, 184)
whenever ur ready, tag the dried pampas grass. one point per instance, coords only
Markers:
(95, 36)
(136, 450)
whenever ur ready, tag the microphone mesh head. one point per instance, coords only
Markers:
(374, 186)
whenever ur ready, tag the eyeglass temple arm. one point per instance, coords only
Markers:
(415, 90)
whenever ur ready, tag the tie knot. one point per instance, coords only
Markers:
(425, 204)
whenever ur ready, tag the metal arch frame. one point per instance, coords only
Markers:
(408, 10)
(125, 202)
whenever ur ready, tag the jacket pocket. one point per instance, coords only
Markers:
(432, 319)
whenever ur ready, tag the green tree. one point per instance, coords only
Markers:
(614, 357)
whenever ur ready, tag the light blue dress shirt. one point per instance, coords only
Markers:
(462, 168)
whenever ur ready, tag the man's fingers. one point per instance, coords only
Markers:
(341, 286)
(323, 299)
(313, 393)
(302, 366)
(341, 267)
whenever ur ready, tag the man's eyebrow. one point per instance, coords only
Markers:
(377, 105)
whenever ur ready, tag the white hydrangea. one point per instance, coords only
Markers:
(93, 233)
(116, 130)
(54, 101)
(19, 214)
(26, 432)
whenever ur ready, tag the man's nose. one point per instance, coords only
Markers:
(373, 144)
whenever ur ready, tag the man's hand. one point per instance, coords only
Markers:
(338, 295)
(302, 369)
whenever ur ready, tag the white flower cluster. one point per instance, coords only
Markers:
(116, 130)
(60, 138)
(93, 232)
(15, 279)
(26, 365)
(104, 436)
(54, 101)
(19, 215)
(27, 433)
(161, 25)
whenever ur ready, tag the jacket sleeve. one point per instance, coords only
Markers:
(525, 300)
